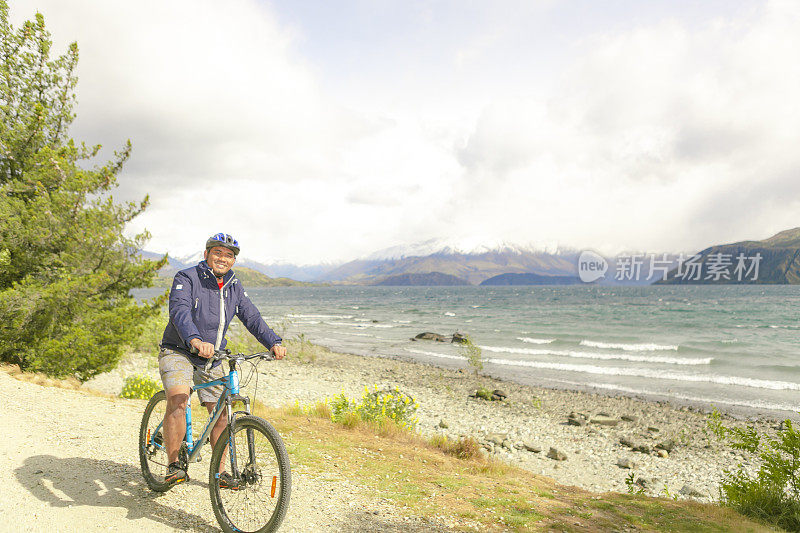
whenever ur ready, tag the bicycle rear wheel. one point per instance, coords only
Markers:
(152, 453)
(264, 475)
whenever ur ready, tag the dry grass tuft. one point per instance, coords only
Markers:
(45, 381)
(464, 448)
(321, 410)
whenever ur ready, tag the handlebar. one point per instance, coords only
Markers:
(221, 355)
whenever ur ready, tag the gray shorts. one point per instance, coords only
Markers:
(176, 369)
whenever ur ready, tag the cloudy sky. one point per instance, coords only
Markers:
(323, 131)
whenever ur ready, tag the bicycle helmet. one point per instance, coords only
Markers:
(224, 240)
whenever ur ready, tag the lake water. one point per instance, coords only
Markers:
(732, 346)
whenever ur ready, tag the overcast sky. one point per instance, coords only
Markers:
(323, 131)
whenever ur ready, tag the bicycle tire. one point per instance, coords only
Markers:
(153, 461)
(271, 474)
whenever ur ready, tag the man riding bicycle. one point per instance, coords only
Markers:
(202, 302)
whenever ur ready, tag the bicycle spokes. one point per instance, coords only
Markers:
(152, 454)
(263, 483)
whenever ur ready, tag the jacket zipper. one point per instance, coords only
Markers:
(221, 315)
(221, 320)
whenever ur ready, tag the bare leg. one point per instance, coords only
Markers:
(175, 420)
(217, 430)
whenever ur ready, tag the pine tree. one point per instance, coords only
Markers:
(66, 268)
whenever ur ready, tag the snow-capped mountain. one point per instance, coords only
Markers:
(470, 261)
(191, 259)
(461, 246)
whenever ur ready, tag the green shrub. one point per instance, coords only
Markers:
(633, 487)
(303, 349)
(375, 406)
(139, 387)
(282, 326)
(484, 393)
(340, 406)
(472, 353)
(773, 493)
(152, 332)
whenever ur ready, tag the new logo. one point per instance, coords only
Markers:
(591, 266)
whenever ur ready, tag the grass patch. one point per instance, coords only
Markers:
(318, 410)
(428, 480)
(463, 448)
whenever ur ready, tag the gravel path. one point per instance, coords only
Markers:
(68, 462)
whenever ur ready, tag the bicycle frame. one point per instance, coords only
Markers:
(230, 394)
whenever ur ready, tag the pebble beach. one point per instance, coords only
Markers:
(593, 441)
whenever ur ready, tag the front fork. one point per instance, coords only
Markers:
(235, 397)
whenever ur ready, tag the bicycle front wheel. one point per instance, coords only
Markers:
(260, 467)
(152, 453)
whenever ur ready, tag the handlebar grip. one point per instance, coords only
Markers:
(218, 354)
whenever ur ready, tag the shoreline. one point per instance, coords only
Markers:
(604, 432)
(704, 406)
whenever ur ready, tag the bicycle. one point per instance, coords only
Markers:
(257, 456)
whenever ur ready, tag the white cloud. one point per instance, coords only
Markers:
(662, 135)
(660, 138)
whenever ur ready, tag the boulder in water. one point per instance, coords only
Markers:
(459, 338)
(430, 336)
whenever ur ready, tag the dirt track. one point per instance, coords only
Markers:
(68, 462)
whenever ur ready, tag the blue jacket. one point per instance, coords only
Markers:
(195, 301)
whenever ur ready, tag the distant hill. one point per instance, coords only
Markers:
(273, 270)
(250, 278)
(472, 267)
(530, 279)
(273, 275)
(426, 279)
(779, 263)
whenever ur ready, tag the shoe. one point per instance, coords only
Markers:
(226, 481)
(175, 474)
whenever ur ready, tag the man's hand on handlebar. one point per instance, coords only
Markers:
(278, 351)
(204, 349)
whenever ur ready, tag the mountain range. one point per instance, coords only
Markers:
(428, 263)
(472, 267)
(250, 277)
(440, 263)
(775, 261)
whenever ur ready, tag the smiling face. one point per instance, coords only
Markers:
(220, 260)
